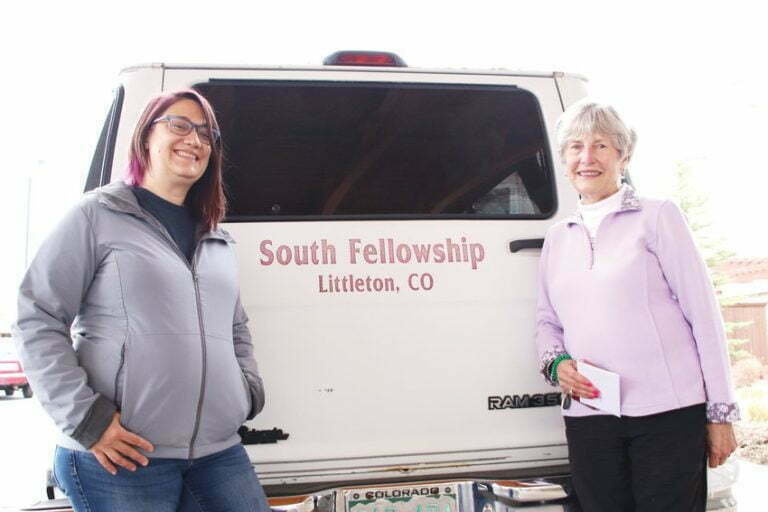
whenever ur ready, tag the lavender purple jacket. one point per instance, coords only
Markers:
(637, 300)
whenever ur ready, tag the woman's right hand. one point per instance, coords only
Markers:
(117, 445)
(573, 382)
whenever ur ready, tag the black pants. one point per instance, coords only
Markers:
(640, 464)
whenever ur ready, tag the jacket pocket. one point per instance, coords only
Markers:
(227, 394)
(100, 358)
(248, 396)
(120, 380)
(161, 380)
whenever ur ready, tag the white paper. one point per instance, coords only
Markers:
(608, 385)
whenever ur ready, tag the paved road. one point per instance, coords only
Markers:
(27, 439)
(751, 490)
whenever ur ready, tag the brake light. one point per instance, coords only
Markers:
(360, 58)
(12, 367)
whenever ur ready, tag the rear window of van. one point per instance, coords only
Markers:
(303, 150)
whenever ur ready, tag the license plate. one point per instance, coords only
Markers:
(404, 498)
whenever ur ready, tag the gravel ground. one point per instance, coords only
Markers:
(753, 441)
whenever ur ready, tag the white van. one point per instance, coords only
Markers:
(388, 224)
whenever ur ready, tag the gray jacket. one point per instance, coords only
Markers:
(113, 317)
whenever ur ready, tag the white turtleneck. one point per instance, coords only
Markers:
(593, 214)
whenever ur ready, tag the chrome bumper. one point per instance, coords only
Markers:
(551, 494)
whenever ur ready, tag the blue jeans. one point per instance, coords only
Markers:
(223, 481)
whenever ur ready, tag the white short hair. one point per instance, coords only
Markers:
(587, 116)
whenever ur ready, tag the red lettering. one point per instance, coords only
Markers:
(421, 252)
(329, 252)
(403, 253)
(354, 250)
(266, 251)
(478, 254)
(454, 250)
(284, 255)
(369, 253)
(439, 252)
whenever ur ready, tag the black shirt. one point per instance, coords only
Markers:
(178, 220)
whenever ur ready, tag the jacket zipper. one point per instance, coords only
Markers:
(593, 241)
(193, 271)
(204, 351)
(591, 246)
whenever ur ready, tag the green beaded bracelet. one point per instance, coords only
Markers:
(553, 366)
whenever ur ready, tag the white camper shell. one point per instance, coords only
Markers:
(388, 223)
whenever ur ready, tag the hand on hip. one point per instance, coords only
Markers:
(117, 446)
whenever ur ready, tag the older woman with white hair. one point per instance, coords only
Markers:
(623, 287)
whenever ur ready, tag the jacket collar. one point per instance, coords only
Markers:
(629, 202)
(119, 197)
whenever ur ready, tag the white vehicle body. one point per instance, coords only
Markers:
(384, 366)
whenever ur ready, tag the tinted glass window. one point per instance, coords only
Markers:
(339, 149)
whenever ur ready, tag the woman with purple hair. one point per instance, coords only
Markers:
(132, 332)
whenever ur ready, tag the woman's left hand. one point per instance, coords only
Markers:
(721, 441)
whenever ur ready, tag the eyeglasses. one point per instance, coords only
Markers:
(180, 125)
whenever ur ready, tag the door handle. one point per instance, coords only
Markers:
(528, 243)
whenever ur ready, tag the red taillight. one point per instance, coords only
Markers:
(355, 58)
